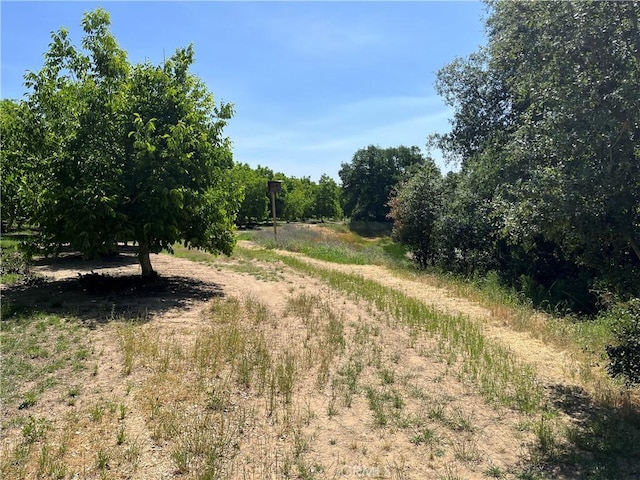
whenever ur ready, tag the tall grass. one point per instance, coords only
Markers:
(332, 243)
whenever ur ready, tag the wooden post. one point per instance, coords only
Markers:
(274, 186)
(273, 211)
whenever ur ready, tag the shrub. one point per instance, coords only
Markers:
(624, 355)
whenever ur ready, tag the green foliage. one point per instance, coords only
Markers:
(13, 265)
(624, 354)
(371, 176)
(327, 199)
(415, 207)
(177, 160)
(296, 198)
(19, 172)
(545, 128)
(75, 100)
(255, 204)
(574, 145)
(299, 199)
(129, 152)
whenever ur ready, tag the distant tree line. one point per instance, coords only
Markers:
(300, 198)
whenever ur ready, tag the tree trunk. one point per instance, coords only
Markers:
(145, 262)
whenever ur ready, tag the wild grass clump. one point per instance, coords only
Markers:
(39, 350)
(215, 384)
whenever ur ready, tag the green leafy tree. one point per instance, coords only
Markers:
(76, 101)
(20, 172)
(546, 126)
(416, 206)
(255, 203)
(327, 199)
(465, 239)
(367, 181)
(132, 153)
(575, 73)
(177, 161)
(297, 198)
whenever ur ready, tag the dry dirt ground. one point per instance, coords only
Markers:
(409, 415)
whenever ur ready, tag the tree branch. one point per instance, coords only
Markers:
(634, 247)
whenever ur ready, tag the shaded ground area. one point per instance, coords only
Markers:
(78, 287)
(602, 441)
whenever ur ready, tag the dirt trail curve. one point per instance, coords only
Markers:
(554, 366)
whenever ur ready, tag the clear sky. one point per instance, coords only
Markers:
(312, 82)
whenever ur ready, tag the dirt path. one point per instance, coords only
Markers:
(441, 428)
(555, 367)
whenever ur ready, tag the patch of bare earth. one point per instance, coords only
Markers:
(381, 403)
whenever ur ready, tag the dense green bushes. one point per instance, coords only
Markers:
(545, 132)
(624, 354)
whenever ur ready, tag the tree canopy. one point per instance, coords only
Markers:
(367, 181)
(20, 174)
(131, 152)
(546, 130)
(327, 199)
(415, 208)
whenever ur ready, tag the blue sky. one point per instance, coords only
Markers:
(312, 82)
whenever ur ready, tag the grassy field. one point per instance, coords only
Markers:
(305, 368)
(13, 266)
(333, 242)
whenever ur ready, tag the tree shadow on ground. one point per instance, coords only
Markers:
(123, 257)
(97, 297)
(603, 442)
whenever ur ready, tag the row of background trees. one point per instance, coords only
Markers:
(367, 182)
(300, 198)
